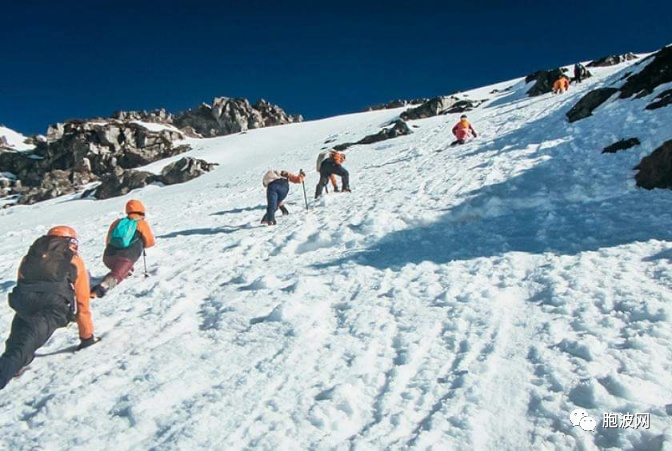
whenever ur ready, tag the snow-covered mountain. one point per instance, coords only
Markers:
(13, 140)
(466, 297)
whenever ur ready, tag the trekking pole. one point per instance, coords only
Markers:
(144, 259)
(303, 184)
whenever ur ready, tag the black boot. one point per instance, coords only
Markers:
(104, 286)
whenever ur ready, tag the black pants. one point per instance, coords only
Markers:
(37, 316)
(329, 167)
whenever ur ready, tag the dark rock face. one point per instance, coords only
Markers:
(621, 145)
(589, 102)
(612, 60)
(184, 170)
(398, 103)
(655, 170)
(544, 81)
(462, 106)
(430, 108)
(274, 115)
(7, 181)
(93, 150)
(641, 84)
(399, 128)
(656, 73)
(663, 99)
(77, 153)
(160, 116)
(227, 116)
(54, 184)
(120, 182)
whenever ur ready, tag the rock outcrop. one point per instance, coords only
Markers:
(544, 81)
(76, 153)
(663, 99)
(623, 144)
(462, 106)
(184, 170)
(589, 103)
(432, 107)
(398, 103)
(121, 181)
(656, 73)
(655, 170)
(159, 116)
(226, 116)
(640, 84)
(400, 128)
(612, 60)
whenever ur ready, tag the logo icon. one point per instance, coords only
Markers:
(579, 417)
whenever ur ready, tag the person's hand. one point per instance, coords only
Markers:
(86, 342)
(301, 173)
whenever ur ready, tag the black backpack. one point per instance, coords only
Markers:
(49, 259)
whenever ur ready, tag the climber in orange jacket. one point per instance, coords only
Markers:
(329, 168)
(52, 290)
(463, 130)
(561, 85)
(127, 238)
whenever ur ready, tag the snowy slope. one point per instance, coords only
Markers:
(15, 140)
(470, 298)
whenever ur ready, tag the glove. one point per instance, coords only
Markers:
(301, 173)
(475, 135)
(86, 342)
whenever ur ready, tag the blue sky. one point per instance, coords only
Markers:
(63, 60)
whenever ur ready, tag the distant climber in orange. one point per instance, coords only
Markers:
(463, 130)
(561, 85)
(330, 163)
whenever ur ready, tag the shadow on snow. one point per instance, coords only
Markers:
(556, 206)
(206, 231)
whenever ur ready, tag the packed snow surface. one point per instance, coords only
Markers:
(465, 297)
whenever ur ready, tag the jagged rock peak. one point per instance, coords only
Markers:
(232, 115)
(155, 116)
(398, 103)
(430, 108)
(612, 60)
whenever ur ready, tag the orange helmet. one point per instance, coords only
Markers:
(135, 206)
(64, 231)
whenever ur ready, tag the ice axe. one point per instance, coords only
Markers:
(144, 259)
(305, 197)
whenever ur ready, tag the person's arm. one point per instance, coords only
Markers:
(455, 129)
(82, 297)
(295, 178)
(146, 234)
